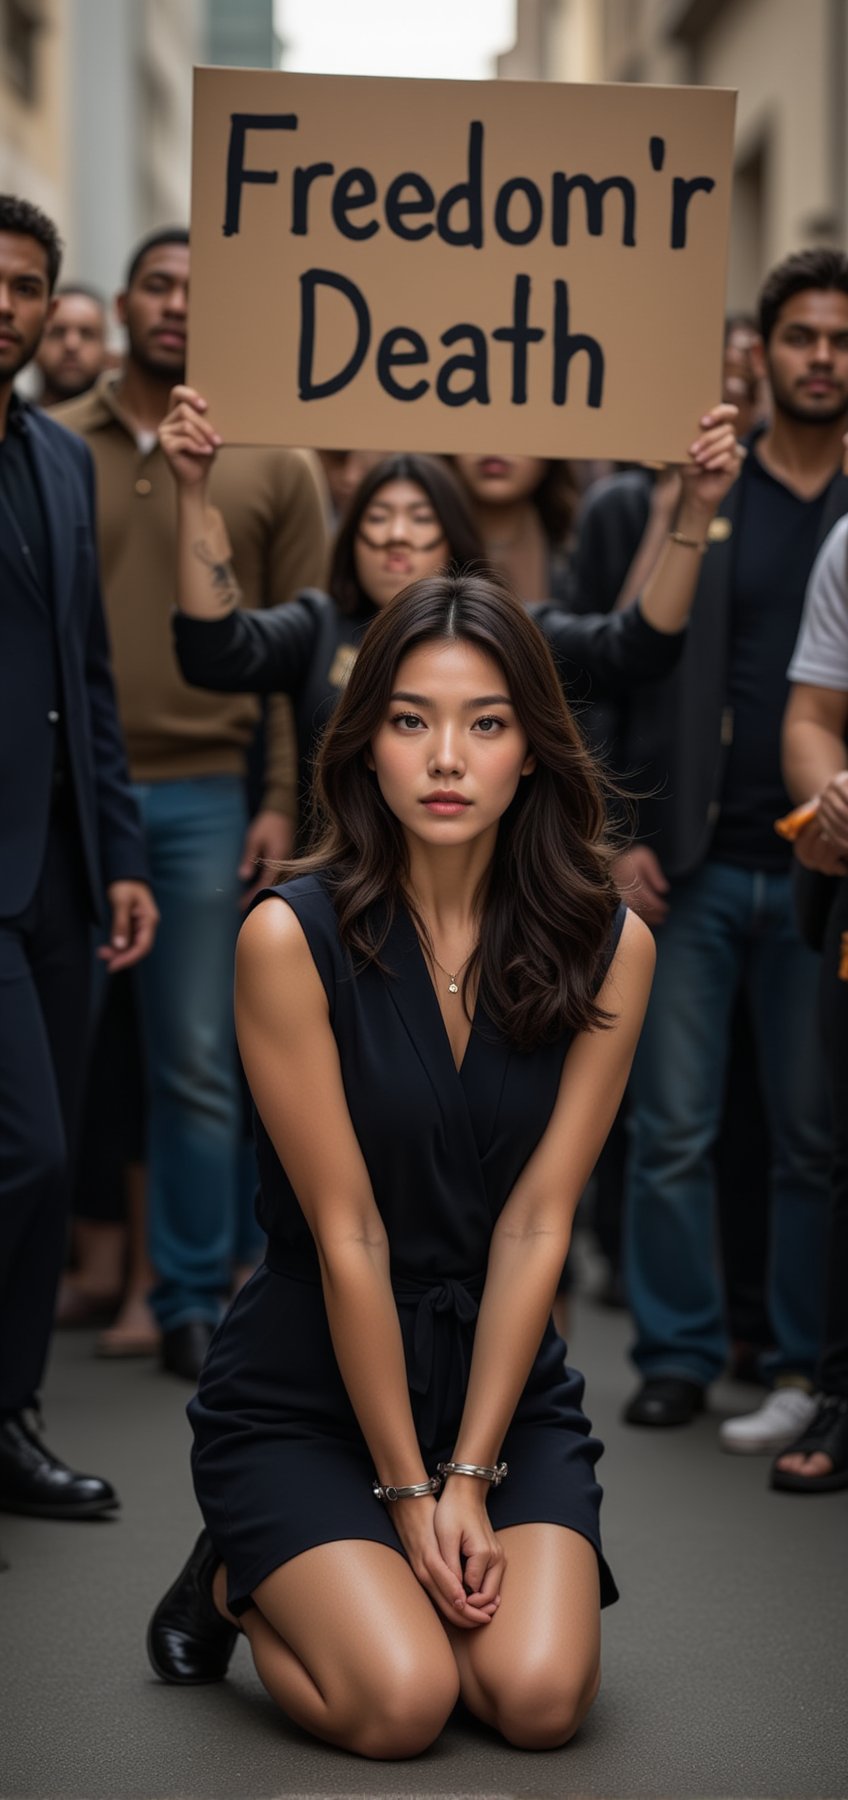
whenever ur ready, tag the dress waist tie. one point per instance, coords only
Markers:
(452, 1299)
(456, 1302)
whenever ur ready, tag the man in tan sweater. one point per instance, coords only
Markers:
(187, 752)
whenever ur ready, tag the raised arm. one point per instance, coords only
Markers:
(715, 459)
(206, 583)
(665, 502)
(218, 644)
(530, 1243)
(643, 643)
(292, 1066)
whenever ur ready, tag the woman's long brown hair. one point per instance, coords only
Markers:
(549, 898)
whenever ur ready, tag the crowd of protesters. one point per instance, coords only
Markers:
(154, 765)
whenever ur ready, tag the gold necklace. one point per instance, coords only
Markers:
(453, 985)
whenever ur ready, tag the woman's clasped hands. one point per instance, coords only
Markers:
(454, 1552)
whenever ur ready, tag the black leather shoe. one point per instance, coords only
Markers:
(184, 1348)
(664, 1400)
(34, 1481)
(187, 1640)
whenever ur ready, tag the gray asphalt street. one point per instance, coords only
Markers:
(725, 1662)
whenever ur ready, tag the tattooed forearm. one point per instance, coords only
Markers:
(221, 574)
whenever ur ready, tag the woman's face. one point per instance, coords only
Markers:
(451, 751)
(400, 538)
(500, 480)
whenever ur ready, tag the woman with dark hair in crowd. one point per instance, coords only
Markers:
(408, 519)
(437, 1015)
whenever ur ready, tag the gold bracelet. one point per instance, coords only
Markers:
(688, 543)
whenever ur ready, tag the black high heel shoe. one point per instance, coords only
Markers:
(187, 1640)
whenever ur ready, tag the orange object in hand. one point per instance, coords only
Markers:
(794, 822)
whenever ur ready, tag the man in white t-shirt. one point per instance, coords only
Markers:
(815, 762)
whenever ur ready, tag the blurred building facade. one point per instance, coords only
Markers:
(33, 89)
(787, 58)
(95, 105)
(95, 112)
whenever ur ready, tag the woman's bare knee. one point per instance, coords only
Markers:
(405, 1716)
(543, 1711)
(395, 1717)
(369, 1668)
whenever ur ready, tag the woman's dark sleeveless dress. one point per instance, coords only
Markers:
(279, 1461)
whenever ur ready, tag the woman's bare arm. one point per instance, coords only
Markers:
(292, 1066)
(665, 500)
(528, 1249)
(715, 461)
(815, 763)
(531, 1238)
(814, 728)
(206, 583)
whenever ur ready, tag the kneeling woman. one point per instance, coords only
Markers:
(437, 1016)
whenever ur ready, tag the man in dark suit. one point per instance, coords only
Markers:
(70, 852)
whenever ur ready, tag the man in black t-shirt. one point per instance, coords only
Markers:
(711, 751)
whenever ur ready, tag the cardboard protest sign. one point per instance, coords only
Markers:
(521, 267)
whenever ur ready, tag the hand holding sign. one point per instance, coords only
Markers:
(188, 438)
(715, 460)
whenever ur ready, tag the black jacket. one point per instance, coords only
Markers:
(304, 649)
(76, 682)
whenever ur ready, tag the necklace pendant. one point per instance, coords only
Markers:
(452, 987)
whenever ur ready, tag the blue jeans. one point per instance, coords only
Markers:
(726, 927)
(194, 831)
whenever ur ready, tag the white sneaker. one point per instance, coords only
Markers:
(782, 1417)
